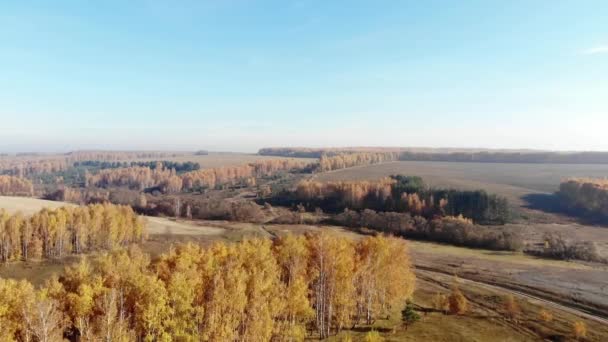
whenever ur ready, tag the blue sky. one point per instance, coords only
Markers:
(240, 75)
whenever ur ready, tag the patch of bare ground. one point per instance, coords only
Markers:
(488, 305)
(27, 205)
(578, 285)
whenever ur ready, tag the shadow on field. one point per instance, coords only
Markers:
(544, 202)
(550, 203)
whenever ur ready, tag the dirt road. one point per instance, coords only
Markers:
(429, 275)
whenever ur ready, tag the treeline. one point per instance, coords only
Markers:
(256, 290)
(203, 208)
(177, 166)
(68, 230)
(15, 186)
(512, 157)
(345, 160)
(457, 231)
(397, 194)
(75, 156)
(26, 165)
(136, 177)
(168, 181)
(449, 155)
(585, 195)
(305, 152)
(212, 177)
(20, 167)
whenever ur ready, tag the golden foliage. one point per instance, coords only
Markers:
(10, 185)
(56, 233)
(441, 302)
(141, 177)
(545, 316)
(256, 290)
(579, 330)
(458, 303)
(345, 160)
(511, 306)
(213, 177)
(373, 336)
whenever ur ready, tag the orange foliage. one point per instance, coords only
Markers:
(213, 177)
(352, 192)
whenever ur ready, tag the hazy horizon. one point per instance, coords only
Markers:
(238, 76)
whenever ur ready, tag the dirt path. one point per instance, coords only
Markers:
(424, 273)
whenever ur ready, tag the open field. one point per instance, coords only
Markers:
(218, 159)
(27, 205)
(511, 180)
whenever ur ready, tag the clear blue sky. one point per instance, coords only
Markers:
(239, 75)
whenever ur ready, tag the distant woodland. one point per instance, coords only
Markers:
(446, 155)
(23, 165)
(399, 194)
(168, 181)
(256, 290)
(15, 186)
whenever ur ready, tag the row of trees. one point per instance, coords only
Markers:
(457, 231)
(256, 290)
(21, 167)
(448, 155)
(210, 178)
(27, 165)
(399, 194)
(345, 160)
(68, 230)
(168, 181)
(306, 152)
(137, 177)
(118, 155)
(179, 167)
(510, 157)
(585, 194)
(11, 185)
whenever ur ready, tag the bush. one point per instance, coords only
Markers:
(545, 316)
(511, 307)
(441, 303)
(409, 315)
(373, 336)
(457, 231)
(557, 247)
(579, 330)
(458, 303)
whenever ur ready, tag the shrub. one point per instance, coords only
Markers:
(409, 315)
(545, 316)
(511, 307)
(373, 336)
(441, 303)
(579, 330)
(457, 302)
(557, 247)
